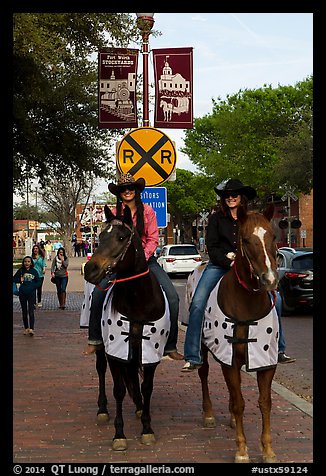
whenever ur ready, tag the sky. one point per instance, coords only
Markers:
(232, 51)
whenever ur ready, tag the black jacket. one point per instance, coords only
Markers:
(221, 238)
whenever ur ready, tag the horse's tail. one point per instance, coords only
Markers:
(132, 373)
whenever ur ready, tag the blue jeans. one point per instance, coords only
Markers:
(94, 330)
(61, 284)
(27, 303)
(278, 307)
(173, 300)
(210, 277)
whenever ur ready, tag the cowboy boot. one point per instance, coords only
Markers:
(59, 299)
(63, 305)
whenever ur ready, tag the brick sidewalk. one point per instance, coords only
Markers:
(55, 404)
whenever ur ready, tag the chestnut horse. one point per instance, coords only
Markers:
(248, 333)
(135, 321)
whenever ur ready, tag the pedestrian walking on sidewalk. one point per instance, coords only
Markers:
(59, 271)
(29, 280)
(48, 250)
(39, 266)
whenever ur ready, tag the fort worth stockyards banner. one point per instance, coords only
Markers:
(117, 71)
(173, 73)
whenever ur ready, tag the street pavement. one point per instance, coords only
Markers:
(55, 401)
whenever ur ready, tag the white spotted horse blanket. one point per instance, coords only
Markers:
(116, 330)
(86, 306)
(262, 336)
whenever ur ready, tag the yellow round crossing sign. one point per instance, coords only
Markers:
(149, 153)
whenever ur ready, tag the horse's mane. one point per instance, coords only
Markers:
(253, 219)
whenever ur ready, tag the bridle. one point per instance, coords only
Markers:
(121, 256)
(252, 272)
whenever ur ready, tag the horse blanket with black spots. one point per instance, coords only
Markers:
(116, 330)
(219, 331)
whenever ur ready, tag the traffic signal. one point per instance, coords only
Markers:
(295, 223)
(283, 224)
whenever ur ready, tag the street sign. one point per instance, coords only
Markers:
(156, 198)
(289, 194)
(204, 215)
(203, 220)
(149, 153)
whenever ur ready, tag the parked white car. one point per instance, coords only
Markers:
(179, 258)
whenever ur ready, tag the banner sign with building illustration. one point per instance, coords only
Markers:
(173, 73)
(117, 72)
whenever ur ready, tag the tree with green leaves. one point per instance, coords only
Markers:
(188, 195)
(262, 136)
(55, 127)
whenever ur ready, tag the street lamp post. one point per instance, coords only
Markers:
(145, 22)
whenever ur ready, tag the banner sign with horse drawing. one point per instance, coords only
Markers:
(117, 105)
(173, 73)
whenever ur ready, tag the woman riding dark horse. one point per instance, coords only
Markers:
(135, 319)
(127, 191)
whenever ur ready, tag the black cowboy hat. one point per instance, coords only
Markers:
(234, 185)
(126, 179)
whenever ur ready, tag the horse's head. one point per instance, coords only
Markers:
(114, 242)
(257, 247)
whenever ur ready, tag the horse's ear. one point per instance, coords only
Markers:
(241, 214)
(108, 214)
(269, 211)
(127, 215)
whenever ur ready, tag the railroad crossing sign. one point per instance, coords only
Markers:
(149, 153)
(203, 218)
(289, 194)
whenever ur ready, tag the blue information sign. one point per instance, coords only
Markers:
(156, 198)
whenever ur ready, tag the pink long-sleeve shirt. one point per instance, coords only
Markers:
(150, 236)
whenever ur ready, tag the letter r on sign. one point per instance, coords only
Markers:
(165, 154)
(128, 154)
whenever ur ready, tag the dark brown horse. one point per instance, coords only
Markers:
(134, 322)
(244, 298)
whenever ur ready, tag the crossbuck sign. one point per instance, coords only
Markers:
(148, 153)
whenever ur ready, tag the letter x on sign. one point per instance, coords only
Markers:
(149, 153)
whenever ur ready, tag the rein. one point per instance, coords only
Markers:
(252, 274)
(252, 271)
(244, 285)
(122, 279)
(121, 256)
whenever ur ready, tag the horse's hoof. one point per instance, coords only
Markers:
(241, 459)
(209, 422)
(232, 423)
(102, 418)
(270, 459)
(119, 444)
(148, 439)
(139, 413)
